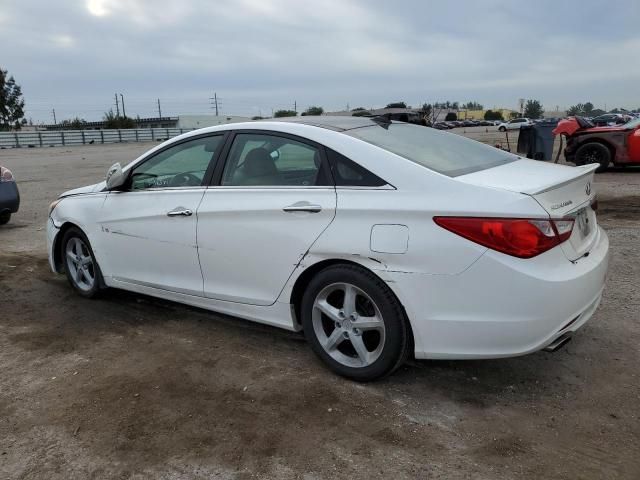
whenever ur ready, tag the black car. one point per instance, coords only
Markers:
(610, 119)
(9, 195)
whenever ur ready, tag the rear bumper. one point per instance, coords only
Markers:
(9, 197)
(502, 306)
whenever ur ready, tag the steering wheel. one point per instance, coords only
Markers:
(185, 180)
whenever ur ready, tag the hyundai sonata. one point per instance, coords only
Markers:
(376, 238)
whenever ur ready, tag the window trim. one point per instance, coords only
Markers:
(213, 161)
(216, 178)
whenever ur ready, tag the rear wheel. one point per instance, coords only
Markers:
(5, 217)
(354, 323)
(593, 153)
(502, 129)
(80, 264)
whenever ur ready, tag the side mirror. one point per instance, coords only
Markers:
(115, 177)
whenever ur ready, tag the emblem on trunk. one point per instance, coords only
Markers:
(566, 203)
(587, 188)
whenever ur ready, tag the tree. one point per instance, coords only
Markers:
(112, 120)
(360, 112)
(74, 124)
(257, 117)
(313, 111)
(396, 105)
(491, 115)
(533, 109)
(473, 106)
(585, 109)
(11, 102)
(358, 109)
(285, 113)
(451, 117)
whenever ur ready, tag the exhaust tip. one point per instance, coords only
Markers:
(558, 343)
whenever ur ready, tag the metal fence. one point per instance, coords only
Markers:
(85, 137)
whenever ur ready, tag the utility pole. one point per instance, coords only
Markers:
(295, 106)
(124, 114)
(117, 106)
(215, 102)
(55, 122)
(159, 110)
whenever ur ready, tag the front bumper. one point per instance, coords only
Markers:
(9, 197)
(502, 306)
(52, 233)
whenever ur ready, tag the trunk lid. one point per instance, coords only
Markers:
(561, 190)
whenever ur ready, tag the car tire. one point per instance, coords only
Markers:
(5, 217)
(355, 323)
(502, 129)
(593, 153)
(80, 263)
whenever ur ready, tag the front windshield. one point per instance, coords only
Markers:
(446, 153)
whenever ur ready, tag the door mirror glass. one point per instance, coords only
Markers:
(115, 177)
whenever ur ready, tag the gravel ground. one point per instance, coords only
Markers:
(132, 387)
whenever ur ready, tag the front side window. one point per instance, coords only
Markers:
(442, 152)
(270, 160)
(183, 165)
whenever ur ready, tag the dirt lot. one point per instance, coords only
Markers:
(132, 387)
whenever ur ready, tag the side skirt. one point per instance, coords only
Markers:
(277, 315)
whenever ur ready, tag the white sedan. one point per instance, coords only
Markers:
(379, 240)
(514, 124)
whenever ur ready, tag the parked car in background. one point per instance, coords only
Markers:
(514, 124)
(610, 119)
(9, 195)
(587, 144)
(378, 239)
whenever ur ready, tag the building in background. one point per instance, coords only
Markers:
(187, 122)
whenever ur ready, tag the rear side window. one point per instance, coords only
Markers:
(348, 173)
(446, 153)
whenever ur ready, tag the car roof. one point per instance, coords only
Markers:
(335, 123)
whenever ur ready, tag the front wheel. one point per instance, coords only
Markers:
(80, 264)
(502, 129)
(593, 153)
(354, 323)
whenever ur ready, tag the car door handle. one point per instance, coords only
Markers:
(180, 212)
(303, 207)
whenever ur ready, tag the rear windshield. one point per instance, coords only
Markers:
(447, 153)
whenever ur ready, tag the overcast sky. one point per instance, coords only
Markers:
(263, 54)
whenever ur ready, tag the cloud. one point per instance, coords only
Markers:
(259, 54)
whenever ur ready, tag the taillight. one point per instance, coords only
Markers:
(519, 237)
(6, 175)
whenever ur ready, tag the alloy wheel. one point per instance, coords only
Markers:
(348, 325)
(80, 264)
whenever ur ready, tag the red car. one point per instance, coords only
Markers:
(619, 144)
